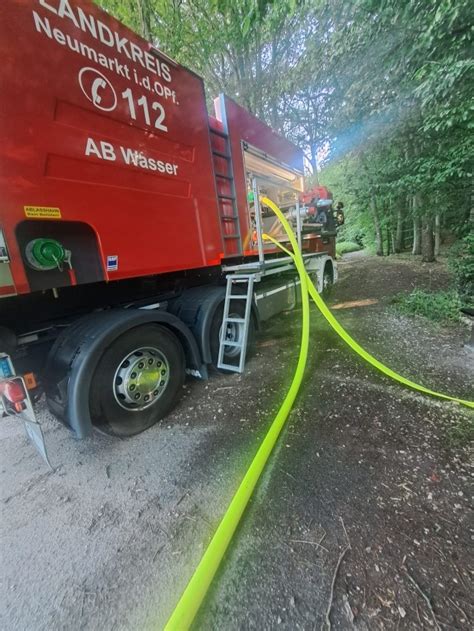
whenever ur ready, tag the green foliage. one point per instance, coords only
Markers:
(438, 306)
(344, 247)
(461, 262)
(244, 48)
(348, 186)
(402, 144)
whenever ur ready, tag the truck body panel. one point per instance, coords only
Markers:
(81, 100)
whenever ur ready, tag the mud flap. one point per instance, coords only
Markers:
(33, 429)
(35, 434)
(27, 415)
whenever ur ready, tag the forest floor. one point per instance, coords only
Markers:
(361, 517)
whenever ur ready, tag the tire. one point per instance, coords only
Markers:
(154, 375)
(237, 310)
(328, 280)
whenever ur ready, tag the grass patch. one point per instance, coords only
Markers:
(343, 247)
(438, 306)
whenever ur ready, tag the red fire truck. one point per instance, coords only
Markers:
(131, 229)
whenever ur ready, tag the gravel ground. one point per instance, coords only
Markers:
(368, 479)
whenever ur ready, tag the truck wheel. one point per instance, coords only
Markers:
(234, 333)
(137, 381)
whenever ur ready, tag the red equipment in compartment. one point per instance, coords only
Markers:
(317, 192)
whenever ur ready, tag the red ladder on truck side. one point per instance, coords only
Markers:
(232, 240)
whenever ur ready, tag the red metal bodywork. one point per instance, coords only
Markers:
(153, 222)
(99, 128)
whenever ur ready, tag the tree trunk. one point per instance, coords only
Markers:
(378, 228)
(314, 159)
(427, 240)
(471, 214)
(393, 237)
(437, 234)
(416, 208)
(389, 241)
(416, 236)
(145, 25)
(398, 242)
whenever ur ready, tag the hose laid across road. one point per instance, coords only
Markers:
(195, 592)
(370, 358)
(321, 305)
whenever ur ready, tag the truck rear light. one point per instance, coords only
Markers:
(30, 380)
(14, 391)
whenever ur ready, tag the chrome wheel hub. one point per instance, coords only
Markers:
(141, 379)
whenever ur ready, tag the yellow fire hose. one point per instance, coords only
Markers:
(319, 302)
(197, 587)
(192, 597)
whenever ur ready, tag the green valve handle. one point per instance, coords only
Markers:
(45, 254)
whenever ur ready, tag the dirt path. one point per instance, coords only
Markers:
(110, 539)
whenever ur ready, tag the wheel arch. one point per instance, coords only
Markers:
(196, 307)
(77, 351)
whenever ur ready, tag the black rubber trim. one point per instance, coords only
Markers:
(196, 308)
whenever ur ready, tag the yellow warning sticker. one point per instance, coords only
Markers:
(42, 212)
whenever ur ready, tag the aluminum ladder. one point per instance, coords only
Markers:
(237, 324)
